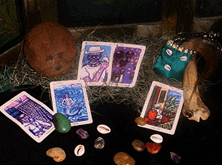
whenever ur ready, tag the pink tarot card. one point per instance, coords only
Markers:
(31, 115)
(95, 62)
(126, 63)
(162, 108)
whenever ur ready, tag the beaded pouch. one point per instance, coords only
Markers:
(172, 61)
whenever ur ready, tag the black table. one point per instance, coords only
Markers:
(197, 143)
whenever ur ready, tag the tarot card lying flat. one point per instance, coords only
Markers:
(70, 98)
(162, 108)
(34, 117)
(126, 63)
(95, 62)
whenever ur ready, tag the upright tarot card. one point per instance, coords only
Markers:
(70, 98)
(34, 117)
(126, 63)
(162, 108)
(95, 62)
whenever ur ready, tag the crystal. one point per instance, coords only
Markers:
(99, 143)
(176, 158)
(82, 133)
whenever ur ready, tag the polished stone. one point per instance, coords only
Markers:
(138, 145)
(61, 123)
(58, 154)
(99, 143)
(122, 158)
(82, 133)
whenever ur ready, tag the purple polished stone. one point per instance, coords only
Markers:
(82, 133)
(176, 158)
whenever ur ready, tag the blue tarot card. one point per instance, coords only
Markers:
(34, 117)
(95, 62)
(70, 98)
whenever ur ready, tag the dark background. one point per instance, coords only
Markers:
(196, 143)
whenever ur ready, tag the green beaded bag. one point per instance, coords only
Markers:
(172, 61)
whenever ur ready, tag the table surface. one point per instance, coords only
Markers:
(196, 143)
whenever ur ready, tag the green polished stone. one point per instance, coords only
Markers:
(61, 123)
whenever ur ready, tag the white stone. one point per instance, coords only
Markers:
(79, 150)
(103, 129)
(156, 138)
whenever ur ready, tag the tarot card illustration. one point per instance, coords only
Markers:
(126, 63)
(95, 62)
(162, 107)
(34, 117)
(70, 98)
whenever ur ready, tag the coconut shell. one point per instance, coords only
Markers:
(50, 49)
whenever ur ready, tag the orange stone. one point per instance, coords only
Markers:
(153, 148)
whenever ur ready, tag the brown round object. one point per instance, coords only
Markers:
(138, 145)
(140, 121)
(122, 158)
(50, 49)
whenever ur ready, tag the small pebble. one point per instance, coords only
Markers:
(138, 145)
(61, 123)
(176, 158)
(156, 138)
(58, 154)
(153, 148)
(82, 133)
(99, 143)
(122, 158)
(103, 129)
(140, 121)
(79, 150)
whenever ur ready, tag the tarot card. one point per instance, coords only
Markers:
(162, 108)
(70, 98)
(95, 62)
(34, 117)
(126, 63)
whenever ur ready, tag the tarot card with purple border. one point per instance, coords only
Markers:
(95, 62)
(162, 108)
(126, 63)
(34, 117)
(70, 98)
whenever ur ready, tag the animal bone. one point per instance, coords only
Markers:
(194, 108)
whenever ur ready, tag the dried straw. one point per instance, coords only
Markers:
(22, 74)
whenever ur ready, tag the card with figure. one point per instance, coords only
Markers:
(126, 63)
(95, 62)
(162, 108)
(70, 98)
(31, 115)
